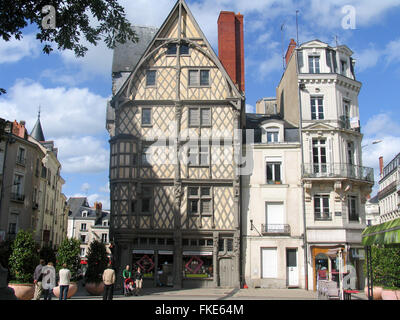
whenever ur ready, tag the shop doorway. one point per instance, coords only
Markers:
(164, 269)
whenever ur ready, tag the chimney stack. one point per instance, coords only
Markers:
(381, 165)
(98, 206)
(289, 52)
(18, 129)
(231, 46)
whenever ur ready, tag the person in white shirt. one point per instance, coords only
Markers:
(48, 280)
(65, 278)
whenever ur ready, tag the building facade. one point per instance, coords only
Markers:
(175, 189)
(389, 189)
(31, 195)
(86, 224)
(272, 239)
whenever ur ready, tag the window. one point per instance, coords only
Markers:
(104, 237)
(319, 155)
(200, 200)
(151, 77)
(313, 64)
(199, 155)
(346, 114)
(83, 252)
(321, 207)
(105, 223)
(269, 263)
(21, 156)
(272, 136)
(171, 49)
(200, 117)
(273, 172)
(12, 228)
(343, 65)
(145, 208)
(317, 108)
(352, 207)
(146, 116)
(199, 77)
(83, 227)
(184, 49)
(198, 267)
(83, 238)
(17, 188)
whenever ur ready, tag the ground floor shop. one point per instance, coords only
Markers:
(324, 264)
(187, 260)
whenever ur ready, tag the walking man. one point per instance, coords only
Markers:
(109, 280)
(37, 280)
(65, 278)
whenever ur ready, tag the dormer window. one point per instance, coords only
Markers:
(84, 214)
(343, 66)
(272, 135)
(313, 64)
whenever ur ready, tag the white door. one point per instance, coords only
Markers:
(292, 269)
(269, 263)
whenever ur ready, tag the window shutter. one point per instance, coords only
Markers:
(300, 61)
(193, 77)
(206, 117)
(328, 59)
(194, 117)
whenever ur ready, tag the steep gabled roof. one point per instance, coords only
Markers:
(176, 12)
(37, 131)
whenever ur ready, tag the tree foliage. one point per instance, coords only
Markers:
(69, 253)
(75, 20)
(24, 257)
(97, 261)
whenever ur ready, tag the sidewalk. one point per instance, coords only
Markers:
(212, 294)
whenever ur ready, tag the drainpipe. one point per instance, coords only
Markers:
(302, 191)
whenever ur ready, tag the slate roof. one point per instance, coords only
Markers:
(255, 120)
(128, 54)
(37, 131)
(80, 204)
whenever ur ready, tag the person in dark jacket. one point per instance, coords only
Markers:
(138, 281)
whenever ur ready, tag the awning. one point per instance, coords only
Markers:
(332, 253)
(384, 233)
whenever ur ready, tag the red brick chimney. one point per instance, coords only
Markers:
(292, 46)
(231, 46)
(18, 129)
(381, 165)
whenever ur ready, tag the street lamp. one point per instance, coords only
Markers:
(373, 142)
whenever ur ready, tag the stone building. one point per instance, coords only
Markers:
(273, 254)
(31, 186)
(175, 189)
(87, 224)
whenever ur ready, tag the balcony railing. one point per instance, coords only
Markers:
(338, 170)
(349, 123)
(17, 196)
(272, 229)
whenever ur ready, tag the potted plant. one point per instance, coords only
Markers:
(97, 261)
(68, 253)
(22, 263)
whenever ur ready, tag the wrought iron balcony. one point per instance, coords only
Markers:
(17, 196)
(349, 123)
(275, 229)
(338, 170)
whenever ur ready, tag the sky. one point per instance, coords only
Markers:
(72, 92)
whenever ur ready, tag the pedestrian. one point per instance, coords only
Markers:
(138, 281)
(48, 280)
(65, 278)
(37, 279)
(109, 280)
(126, 274)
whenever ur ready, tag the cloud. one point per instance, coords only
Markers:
(380, 127)
(105, 188)
(15, 50)
(85, 187)
(94, 197)
(74, 118)
(64, 111)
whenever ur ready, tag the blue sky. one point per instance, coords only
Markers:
(73, 92)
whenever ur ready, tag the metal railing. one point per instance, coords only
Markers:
(345, 123)
(17, 196)
(275, 229)
(337, 170)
